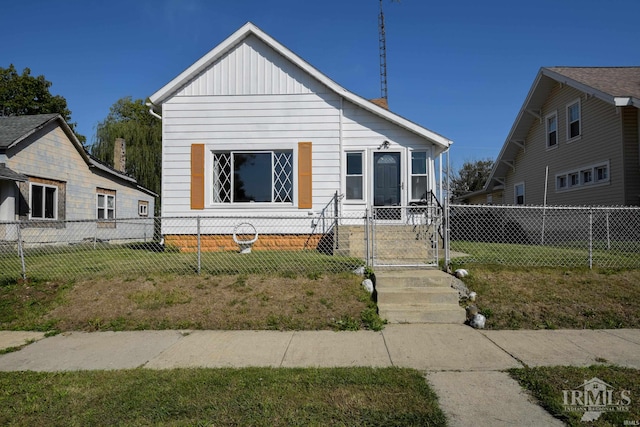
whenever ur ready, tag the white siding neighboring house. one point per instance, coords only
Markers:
(251, 129)
(49, 183)
(582, 123)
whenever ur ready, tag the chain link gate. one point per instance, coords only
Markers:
(406, 236)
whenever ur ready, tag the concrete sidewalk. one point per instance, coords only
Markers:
(459, 362)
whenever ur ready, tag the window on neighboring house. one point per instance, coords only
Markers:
(105, 204)
(583, 177)
(561, 182)
(355, 176)
(552, 130)
(143, 208)
(574, 179)
(573, 120)
(419, 178)
(602, 173)
(518, 191)
(44, 201)
(244, 177)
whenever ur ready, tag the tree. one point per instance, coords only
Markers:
(142, 132)
(471, 177)
(23, 94)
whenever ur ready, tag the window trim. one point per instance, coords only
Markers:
(143, 208)
(553, 114)
(568, 106)
(44, 201)
(362, 175)
(411, 174)
(107, 194)
(515, 193)
(580, 172)
(250, 149)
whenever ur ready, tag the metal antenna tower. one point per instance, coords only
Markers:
(382, 38)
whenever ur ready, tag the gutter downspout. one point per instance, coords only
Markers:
(153, 113)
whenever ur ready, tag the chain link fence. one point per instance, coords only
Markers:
(325, 242)
(605, 237)
(186, 245)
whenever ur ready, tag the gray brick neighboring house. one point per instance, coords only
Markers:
(578, 127)
(46, 177)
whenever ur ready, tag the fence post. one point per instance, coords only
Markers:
(21, 252)
(445, 229)
(335, 223)
(608, 233)
(199, 243)
(590, 238)
(366, 236)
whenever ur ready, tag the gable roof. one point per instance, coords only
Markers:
(619, 86)
(159, 97)
(16, 129)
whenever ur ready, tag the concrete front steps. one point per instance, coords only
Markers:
(417, 296)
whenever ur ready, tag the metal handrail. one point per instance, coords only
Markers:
(322, 219)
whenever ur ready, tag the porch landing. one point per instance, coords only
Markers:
(417, 296)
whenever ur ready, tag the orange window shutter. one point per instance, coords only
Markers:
(197, 176)
(305, 182)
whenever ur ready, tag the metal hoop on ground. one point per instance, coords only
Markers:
(245, 245)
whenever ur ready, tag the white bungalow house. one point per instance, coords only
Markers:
(52, 191)
(252, 129)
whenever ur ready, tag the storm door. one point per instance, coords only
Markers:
(387, 185)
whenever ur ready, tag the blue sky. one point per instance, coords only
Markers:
(461, 68)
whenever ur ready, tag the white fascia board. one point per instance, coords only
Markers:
(249, 28)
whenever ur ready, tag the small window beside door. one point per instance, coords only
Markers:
(419, 177)
(355, 176)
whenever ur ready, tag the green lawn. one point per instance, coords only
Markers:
(575, 254)
(548, 385)
(80, 261)
(238, 397)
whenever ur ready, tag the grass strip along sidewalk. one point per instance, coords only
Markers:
(552, 385)
(255, 396)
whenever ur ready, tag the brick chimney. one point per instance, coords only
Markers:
(119, 155)
(380, 102)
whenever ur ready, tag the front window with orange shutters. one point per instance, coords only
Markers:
(253, 177)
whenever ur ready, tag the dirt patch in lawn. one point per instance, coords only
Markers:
(212, 302)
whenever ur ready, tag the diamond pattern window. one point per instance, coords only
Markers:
(253, 177)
